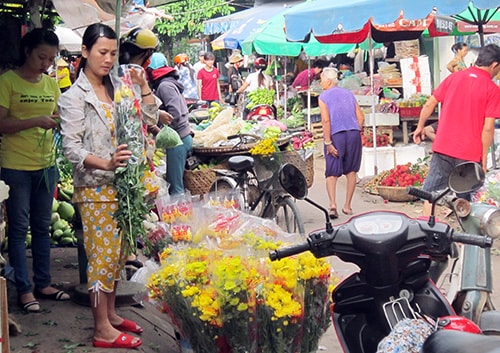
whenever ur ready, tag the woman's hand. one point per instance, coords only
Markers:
(119, 158)
(48, 122)
(330, 149)
(165, 117)
(138, 76)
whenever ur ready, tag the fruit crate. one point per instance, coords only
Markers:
(409, 112)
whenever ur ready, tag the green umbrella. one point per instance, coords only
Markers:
(472, 20)
(270, 39)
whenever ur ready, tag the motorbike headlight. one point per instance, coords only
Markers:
(490, 223)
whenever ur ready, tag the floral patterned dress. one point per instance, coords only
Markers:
(102, 238)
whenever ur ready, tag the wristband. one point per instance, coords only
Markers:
(327, 143)
(147, 94)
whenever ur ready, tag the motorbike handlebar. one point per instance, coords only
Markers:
(419, 193)
(473, 239)
(289, 251)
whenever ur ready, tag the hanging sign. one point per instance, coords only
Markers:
(444, 24)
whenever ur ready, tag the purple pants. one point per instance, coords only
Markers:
(348, 144)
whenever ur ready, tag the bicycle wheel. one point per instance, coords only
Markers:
(286, 214)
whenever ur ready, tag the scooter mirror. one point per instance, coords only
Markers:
(466, 177)
(293, 181)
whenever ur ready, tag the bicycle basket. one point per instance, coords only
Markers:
(267, 167)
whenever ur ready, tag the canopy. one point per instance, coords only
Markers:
(78, 15)
(270, 39)
(229, 22)
(68, 39)
(233, 38)
(323, 17)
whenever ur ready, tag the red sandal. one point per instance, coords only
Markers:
(130, 326)
(122, 341)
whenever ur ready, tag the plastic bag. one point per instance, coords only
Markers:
(142, 275)
(168, 138)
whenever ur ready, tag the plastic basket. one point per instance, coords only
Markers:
(409, 112)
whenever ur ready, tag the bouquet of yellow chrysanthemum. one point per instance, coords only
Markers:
(224, 294)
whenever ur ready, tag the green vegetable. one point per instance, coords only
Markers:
(66, 211)
(61, 224)
(55, 205)
(167, 138)
(57, 234)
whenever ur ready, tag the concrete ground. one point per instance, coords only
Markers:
(66, 327)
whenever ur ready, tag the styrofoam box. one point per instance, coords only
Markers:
(408, 153)
(385, 160)
(382, 119)
(366, 100)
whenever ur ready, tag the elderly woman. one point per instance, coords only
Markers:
(342, 120)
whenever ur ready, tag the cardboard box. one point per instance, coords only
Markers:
(382, 119)
(366, 100)
(416, 76)
(409, 153)
(385, 160)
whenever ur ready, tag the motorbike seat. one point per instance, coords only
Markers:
(448, 341)
(241, 163)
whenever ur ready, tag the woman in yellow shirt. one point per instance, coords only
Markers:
(28, 115)
(63, 75)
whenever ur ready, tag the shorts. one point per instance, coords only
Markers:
(348, 144)
(439, 172)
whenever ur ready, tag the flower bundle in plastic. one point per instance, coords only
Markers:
(223, 293)
(490, 191)
(129, 180)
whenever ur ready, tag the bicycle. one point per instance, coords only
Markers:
(255, 180)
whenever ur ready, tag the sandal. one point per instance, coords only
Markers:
(60, 295)
(333, 213)
(31, 306)
(122, 341)
(130, 326)
(348, 212)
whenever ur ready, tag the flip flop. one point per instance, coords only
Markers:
(349, 212)
(130, 326)
(333, 213)
(122, 341)
(59, 296)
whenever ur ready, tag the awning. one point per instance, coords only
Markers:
(78, 15)
(68, 39)
(229, 22)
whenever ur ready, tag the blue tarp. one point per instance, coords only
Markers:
(229, 22)
(323, 17)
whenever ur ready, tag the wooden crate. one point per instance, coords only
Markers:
(317, 131)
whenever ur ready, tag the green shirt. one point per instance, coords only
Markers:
(30, 149)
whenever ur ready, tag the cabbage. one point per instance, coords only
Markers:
(168, 138)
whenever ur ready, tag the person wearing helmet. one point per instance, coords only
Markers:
(257, 79)
(208, 80)
(187, 76)
(137, 46)
(170, 91)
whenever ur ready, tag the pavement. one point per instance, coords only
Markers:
(67, 327)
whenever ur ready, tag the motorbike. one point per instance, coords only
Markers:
(468, 283)
(394, 253)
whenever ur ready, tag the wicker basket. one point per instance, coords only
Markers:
(198, 182)
(266, 167)
(395, 193)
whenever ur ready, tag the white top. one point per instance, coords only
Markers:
(253, 82)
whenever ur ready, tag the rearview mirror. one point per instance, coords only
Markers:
(293, 181)
(466, 177)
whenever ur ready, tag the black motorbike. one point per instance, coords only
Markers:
(394, 253)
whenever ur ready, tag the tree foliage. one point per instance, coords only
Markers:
(189, 16)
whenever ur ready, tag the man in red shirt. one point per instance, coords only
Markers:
(470, 103)
(306, 77)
